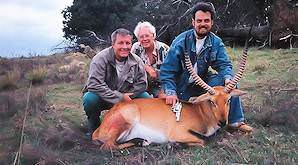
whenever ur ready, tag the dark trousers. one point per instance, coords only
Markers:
(93, 105)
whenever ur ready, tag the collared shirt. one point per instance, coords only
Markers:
(159, 53)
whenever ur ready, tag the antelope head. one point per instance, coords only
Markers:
(218, 97)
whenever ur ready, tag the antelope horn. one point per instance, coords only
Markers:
(241, 68)
(196, 77)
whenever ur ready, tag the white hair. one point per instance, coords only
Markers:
(144, 24)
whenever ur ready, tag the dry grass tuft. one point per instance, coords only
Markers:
(37, 75)
(10, 79)
(232, 54)
(261, 66)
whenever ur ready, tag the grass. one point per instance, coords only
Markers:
(267, 69)
(66, 97)
(65, 93)
(56, 124)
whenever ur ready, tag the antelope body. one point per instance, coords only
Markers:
(153, 120)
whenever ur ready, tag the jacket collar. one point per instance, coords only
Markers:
(207, 42)
(157, 46)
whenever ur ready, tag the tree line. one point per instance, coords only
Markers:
(274, 21)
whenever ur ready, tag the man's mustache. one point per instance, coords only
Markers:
(203, 27)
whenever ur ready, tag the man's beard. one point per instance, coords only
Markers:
(202, 35)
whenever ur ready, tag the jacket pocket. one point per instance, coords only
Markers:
(129, 80)
(128, 83)
(201, 67)
(212, 56)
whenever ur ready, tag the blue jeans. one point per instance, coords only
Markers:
(93, 105)
(236, 110)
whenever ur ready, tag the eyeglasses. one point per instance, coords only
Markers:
(145, 36)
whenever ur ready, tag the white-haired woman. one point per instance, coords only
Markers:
(152, 52)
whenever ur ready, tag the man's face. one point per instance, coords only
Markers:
(202, 23)
(122, 46)
(145, 37)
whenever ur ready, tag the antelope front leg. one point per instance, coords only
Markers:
(191, 140)
(125, 145)
(112, 146)
(108, 145)
(200, 144)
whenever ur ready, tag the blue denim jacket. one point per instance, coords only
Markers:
(173, 73)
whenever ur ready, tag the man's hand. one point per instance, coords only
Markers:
(126, 96)
(227, 81)
(171, 99)
(152, 73)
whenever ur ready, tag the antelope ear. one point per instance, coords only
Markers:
(237, 92)
(201, 98)
(192, 99)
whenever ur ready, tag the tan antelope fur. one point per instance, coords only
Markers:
(153, 120)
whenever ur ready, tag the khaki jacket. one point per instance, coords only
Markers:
(104, 81)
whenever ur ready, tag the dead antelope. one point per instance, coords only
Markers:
(153, 121)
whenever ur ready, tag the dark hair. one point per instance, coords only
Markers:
(120, 31)
(204, 6)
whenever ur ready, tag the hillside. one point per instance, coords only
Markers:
(55, 125)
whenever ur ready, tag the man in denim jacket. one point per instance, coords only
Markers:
(205, 49)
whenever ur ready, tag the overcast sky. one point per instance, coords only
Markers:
(30, 26)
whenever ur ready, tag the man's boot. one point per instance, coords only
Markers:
(93, 124)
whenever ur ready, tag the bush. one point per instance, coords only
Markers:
(10, 79)
(261, 66)
(37, 75)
